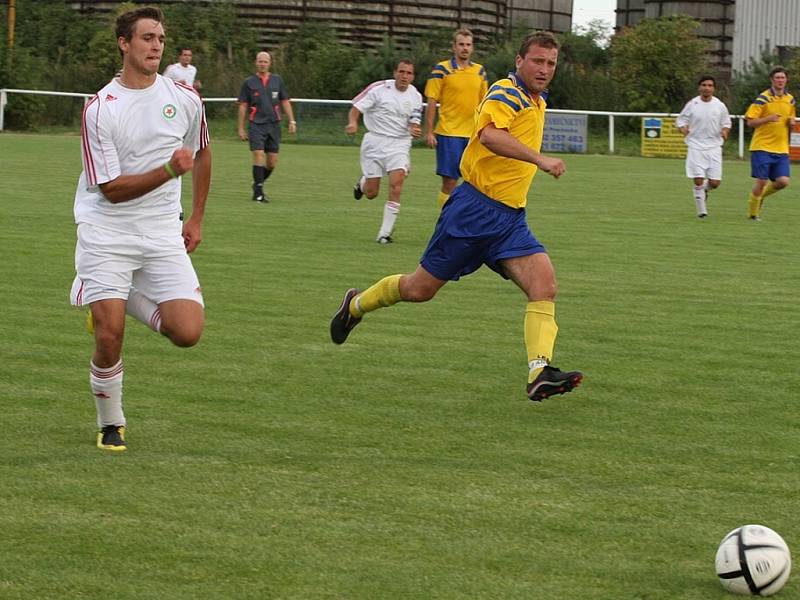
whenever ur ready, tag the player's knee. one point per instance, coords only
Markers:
(370, 193)
(713, 184)
(781, 183)
(185, 334)
(185, 338)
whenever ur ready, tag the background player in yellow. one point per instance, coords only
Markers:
(772, 114)
(458, 85)
(484, 221)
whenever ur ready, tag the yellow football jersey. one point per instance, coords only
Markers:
(458, 90)
(772, 137)
(508, 105)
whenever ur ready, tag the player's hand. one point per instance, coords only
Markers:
(242, 134)
(292, 127)
(351, 128)
(182, 161)
(431, 139)
(553, 166)
(773, 118)
(415, 130)
(192, 235)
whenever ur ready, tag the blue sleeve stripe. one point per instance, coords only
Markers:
(760, 101)
(762, 97)
(511, 92)
(505, 100)
(441, 68)
(436, 76)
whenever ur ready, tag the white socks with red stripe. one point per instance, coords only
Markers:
(390, 210)
(141, 308)
(106, 385)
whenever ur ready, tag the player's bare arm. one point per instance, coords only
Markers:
(128, 187)
(352, 121)
(242, 114)
(763, 120)
(287, 108)
(430, 117)
(502, 143)
(201, 183)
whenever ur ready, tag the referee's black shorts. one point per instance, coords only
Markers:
(265, 136)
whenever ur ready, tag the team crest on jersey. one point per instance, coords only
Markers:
(169, 111)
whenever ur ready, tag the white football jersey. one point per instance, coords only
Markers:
(388, 111)
(131, 131)
(705, 120)
(180, 73)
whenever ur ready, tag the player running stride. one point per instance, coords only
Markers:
(140, 133)
(392, 110)
(484, 220)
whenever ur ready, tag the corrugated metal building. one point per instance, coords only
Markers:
(772, 25)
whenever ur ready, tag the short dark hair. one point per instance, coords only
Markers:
(126, 22)
(405, 61)
(543, 39)
(778, 69)
(707, 78)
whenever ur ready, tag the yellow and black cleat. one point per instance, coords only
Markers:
(112, 437)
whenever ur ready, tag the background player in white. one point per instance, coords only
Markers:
(392, 110)
(183, 70)
(139, 134)
(705, 124)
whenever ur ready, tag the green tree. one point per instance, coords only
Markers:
(754, 79)
(583, 77)
(656, 63)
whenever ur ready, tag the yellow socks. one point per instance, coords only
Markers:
(540, 335)
(768, 191)
(384, 293)
(753, 205)
(443, 198)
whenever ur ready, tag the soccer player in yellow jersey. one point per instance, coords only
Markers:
(772, 114)
(484, 220)
(458, 85)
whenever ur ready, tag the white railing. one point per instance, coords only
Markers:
(611, 138)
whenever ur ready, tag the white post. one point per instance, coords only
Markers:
(741, 137)
(3, 101)
(611, 134)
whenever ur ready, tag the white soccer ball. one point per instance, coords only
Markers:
(753, 560)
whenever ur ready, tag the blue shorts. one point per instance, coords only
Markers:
(474, 230)
(448, 155)
(768, 165)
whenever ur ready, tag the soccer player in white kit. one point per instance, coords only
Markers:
(705, 124)
(183, 70)
(392, 110)
(140, 133)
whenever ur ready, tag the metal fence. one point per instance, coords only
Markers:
(299, 103)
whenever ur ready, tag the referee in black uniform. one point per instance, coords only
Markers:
(263, 100)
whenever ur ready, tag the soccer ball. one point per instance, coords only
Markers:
(753, 560)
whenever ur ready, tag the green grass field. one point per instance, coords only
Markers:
(268, 463)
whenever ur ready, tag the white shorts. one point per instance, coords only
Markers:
(108, 263)
(704, 163)
(381, 154)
